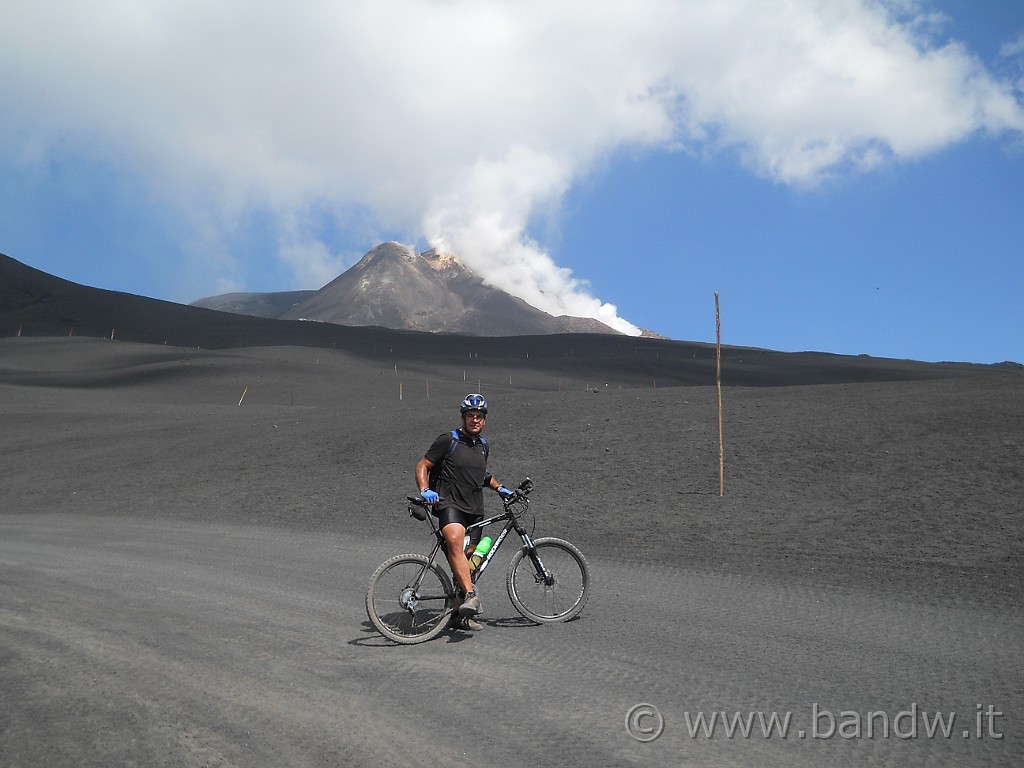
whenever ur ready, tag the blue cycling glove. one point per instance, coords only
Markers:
(504, 492)
(429, 496)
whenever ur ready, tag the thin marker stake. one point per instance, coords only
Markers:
(718, 381)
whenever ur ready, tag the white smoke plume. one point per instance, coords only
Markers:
(456, 122)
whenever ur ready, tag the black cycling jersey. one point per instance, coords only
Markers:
(461, 477)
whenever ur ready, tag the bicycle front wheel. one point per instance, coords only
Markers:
(409, 599)
(555, 591)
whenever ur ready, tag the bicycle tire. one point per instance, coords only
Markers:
(549, 603)
(402, 615)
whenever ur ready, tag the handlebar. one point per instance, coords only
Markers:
(418, 506)
(520, 493)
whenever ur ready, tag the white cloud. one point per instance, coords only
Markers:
(1013, 47)
(456, 121)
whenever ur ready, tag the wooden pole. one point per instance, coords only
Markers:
(718, 383)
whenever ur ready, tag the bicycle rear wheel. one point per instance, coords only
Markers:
(409, 599)
(557, 596)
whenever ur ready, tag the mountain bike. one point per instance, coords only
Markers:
(410, 597)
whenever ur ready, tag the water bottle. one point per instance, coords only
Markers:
(480, 552)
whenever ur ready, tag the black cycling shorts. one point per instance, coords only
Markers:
(446, 515)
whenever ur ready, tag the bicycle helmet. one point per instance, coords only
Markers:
(474, 402)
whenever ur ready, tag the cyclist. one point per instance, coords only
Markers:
(458, 477)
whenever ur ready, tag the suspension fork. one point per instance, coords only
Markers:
(531, 552)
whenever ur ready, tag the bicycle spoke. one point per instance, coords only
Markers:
(399, 609)
(557, 595)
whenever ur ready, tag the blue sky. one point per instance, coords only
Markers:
(849, 180)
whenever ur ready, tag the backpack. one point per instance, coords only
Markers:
(436, 471)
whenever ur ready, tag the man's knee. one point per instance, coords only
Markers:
(454, 534)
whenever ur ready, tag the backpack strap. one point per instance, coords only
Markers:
(455, 442)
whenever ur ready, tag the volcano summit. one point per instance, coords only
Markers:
(393, 286)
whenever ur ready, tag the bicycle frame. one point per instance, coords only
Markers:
(512, 524)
